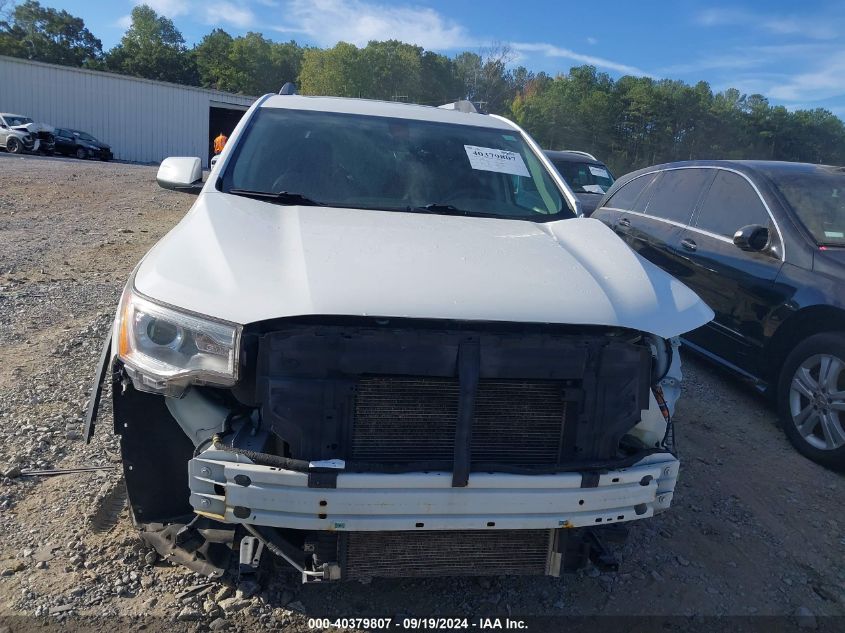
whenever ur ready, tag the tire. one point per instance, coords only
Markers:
(14, 146)
(81, 154)
(811, 398)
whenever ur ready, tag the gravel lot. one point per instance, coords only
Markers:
(755, 528)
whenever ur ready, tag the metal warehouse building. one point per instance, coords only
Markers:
(143, 121)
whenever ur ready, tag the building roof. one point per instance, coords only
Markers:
(213, 94)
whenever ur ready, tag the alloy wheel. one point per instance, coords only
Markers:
(817, 401)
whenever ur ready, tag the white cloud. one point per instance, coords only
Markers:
(712, 62)
(226, 12)
(549, 50)
(814, 27)
(358, 22)
(124, 21)
(821, 82)
(169, 8)
(592, 41)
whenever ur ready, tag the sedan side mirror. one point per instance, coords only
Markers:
(4, 126)
(180, 173)
(753, 237)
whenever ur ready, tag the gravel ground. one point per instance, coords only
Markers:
(755, 528)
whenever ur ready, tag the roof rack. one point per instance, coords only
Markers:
(461, 106)
(577, 151)
(288, 89)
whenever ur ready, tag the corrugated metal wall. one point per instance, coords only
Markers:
(144, 121)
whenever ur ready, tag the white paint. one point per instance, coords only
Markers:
(370, 501)
(246, 260)
(497, 160)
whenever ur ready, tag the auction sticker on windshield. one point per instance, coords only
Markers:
(498, 160)
(599, 171)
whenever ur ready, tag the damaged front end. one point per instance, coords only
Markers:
(356, 448)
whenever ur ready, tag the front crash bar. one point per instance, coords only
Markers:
(228, 488)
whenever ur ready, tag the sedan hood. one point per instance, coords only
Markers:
(245, 261)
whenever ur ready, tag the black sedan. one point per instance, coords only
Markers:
(763, 243)
(80, 144)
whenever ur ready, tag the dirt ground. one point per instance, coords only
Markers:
(755, 529)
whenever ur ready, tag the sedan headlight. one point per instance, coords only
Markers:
(165, 349)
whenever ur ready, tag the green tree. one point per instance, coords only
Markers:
(485, 79)
(250, 64)
(636, 121)
(335, 71)
(211, 56)
(391, 70)
(48, 35)
(153, 48)
(438, 83)
(287, 62)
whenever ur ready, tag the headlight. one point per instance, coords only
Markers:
(165, 349)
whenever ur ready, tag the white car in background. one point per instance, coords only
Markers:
(20, 134)
(383, 343)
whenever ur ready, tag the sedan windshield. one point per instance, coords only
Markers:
(816, 194)
(392, 164)
(85, 137)
(584, 177)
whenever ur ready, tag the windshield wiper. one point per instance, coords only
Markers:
(280, 197)
(440, 208)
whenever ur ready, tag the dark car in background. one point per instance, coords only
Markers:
(763, 243)
(588, 177)
(81, 144)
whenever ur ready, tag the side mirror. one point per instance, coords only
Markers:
(180, 173)
(753, 237)
(4, 126)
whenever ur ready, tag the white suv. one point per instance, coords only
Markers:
(383, 343)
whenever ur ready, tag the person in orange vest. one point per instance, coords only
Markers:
(220, 143)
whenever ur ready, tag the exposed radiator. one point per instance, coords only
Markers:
(446, 553)
(404, 419)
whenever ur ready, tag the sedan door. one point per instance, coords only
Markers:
(655, 232)
(738, 285)
(64, 141)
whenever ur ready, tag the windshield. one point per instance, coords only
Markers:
(584, 177)
(369, 162)
(817, 195)
(13, 121)
(84, 136)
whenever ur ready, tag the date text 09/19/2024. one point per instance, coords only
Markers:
(417, 624)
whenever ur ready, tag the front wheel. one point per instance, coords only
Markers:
(811, 398)
(81, 154)
(14, 146)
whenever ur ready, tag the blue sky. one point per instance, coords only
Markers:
(791, 52)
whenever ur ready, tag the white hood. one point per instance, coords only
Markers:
(245, 260)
